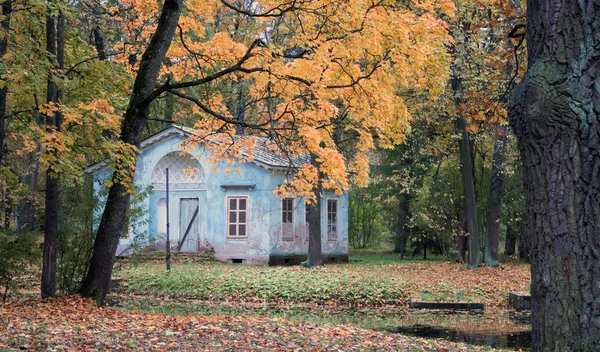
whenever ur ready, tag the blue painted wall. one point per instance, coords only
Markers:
(264, 208)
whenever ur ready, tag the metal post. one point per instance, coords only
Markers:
(168, 259)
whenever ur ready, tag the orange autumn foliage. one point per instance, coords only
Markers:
(316, 72)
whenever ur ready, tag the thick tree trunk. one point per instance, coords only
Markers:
(402, 229)
(113, 219)
(555, 115)
(5, 25)
(468, 182)
(494, 201)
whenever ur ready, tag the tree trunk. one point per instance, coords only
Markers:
(113, 218)
(240, 109)
(402, 230)
(5, 25)
(555, 112)
(461, 239)
(468, 182)
(510, 246)
(99, 44)
(494, 201)
(314, 257)
(7, 208)
(55, 46)
(26, 209)
(523, 245)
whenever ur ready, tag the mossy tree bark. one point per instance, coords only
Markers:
(555, 113)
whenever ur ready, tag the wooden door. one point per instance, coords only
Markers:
(188, 221)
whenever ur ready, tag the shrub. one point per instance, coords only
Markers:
(17, 254)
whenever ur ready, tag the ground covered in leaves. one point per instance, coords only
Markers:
(72, 323)
(374, 281)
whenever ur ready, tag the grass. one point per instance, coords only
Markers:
(373, 281)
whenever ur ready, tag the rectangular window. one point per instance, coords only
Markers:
(237, 217)
(287, 211)
(287, 219)
(332, 212)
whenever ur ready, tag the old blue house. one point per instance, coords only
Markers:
(236, 214)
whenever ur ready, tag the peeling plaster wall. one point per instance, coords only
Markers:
(264, 209)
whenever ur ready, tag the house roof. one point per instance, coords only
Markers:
(259, 153)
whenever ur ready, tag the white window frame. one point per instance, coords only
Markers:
(237, 216)
(337, 216)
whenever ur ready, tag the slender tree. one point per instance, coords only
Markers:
(555, 113)
(55, 48)
(5, 28)
(468, 182)
(494, 201)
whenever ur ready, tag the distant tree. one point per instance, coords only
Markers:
(365, 223)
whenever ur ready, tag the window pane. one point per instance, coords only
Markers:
(290, 217)
(232, 217)
(283, 216)
(232, 203)
(242, 203)
(284, 205)
(242, 230)
(242, 217)
(232, 230)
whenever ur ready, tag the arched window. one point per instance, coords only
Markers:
(185, 172)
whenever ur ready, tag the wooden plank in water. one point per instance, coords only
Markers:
(446, 305)
(519, 302)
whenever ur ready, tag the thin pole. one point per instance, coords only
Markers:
(168, 259)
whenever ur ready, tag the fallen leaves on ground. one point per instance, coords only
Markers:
(75, 324)
(355, 284)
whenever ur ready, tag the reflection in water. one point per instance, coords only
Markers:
(515, 340)
(507, 330)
